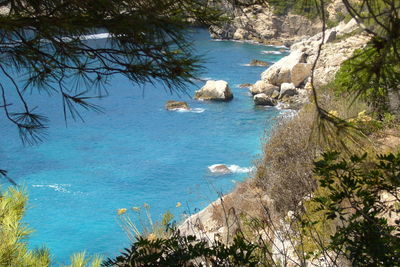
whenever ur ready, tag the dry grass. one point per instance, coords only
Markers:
(285, 171)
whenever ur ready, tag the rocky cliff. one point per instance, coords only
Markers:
(262, 24)
(291, 75)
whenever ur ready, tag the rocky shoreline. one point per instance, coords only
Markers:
(285, 83)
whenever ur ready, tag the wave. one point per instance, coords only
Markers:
(55, 187)
(192, 110)
(246, 65)
(271, 52)
(279, 46)
(227, 169)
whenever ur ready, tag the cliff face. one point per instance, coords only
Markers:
(260, 23)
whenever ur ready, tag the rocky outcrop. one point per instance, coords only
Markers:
(263, 87)
(264, 100)
(291, 74)
(174, 105)
(287, 90)
(281, 71)
(215, 91)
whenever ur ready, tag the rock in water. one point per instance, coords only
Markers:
(219, 168)
(214, 90)
(245, 85)
(173, 105)
(264, 100)
(259, 63)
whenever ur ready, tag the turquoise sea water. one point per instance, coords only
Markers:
(137, 152)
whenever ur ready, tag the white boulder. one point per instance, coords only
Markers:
(280, 72)
(214, 90)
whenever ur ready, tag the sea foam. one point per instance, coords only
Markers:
(271, 52)
(55, 187)
(192, 110)
(231, 169)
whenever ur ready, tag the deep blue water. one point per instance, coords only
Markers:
(135, 153)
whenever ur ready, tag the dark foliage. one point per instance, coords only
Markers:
(178, 250)
(363, 197)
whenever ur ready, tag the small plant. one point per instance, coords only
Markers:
(142, 225)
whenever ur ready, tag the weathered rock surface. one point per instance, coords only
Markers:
(280, 72)
(264, 100)
(259, 23)
(263, 87)
(299, 73)
(214, 90)
(173, 105)
(287, 89)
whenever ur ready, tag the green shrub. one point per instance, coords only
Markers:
(361, 195)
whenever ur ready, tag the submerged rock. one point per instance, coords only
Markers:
(214, 90)
(264, 100)
(259, 63)
(219, 168)
(173, 105)
(245, 85)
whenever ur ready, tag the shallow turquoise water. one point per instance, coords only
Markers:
(135, 153)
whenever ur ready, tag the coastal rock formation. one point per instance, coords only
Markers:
(287, 89)
(292, 72)
(300, 72)
(264, 100)
(263, 87)
(214, 90)
(174, 105)
(281, 71)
